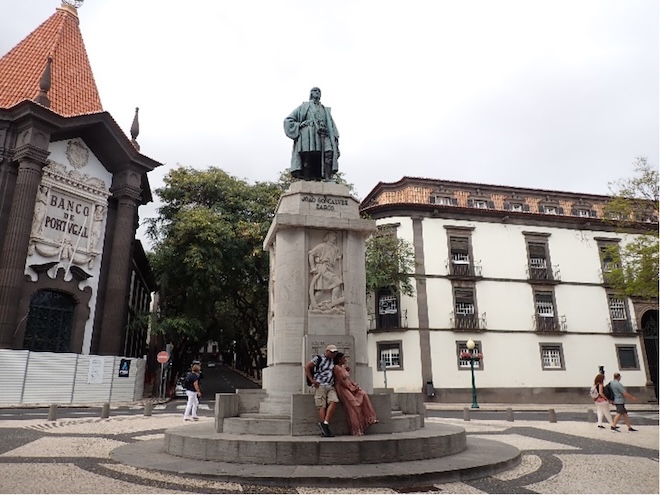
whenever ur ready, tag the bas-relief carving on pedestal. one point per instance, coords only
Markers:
(326, 287)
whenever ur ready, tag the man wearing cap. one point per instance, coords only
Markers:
(319, 373)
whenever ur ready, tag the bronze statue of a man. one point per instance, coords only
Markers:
(315, 140)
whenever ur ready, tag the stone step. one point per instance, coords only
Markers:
(481, 458)
(271, 424)
(201, 441)
(263, 425)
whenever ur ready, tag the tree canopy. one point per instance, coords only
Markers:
(212, 271)
(635, 264)
(390, 263)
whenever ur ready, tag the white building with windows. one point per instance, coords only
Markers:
(523, 273)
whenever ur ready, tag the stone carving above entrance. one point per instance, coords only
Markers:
(70, 212)
(77, 154)
(326, 288)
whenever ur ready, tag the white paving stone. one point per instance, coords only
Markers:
(63, 478)
(528, 464)
(602, 474)
(66, 447)
(457, 488)
(527, 443)
(201, 485)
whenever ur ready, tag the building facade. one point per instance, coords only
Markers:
(71, 182)
(521, 272)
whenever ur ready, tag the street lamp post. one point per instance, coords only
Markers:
(473, 357)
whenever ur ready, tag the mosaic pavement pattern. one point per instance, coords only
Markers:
(73, 456)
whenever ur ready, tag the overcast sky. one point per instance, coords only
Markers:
(544, 94)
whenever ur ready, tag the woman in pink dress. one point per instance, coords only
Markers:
(355, 401)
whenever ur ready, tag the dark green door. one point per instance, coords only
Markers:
(50, 322)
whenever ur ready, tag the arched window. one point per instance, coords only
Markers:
(50, 321)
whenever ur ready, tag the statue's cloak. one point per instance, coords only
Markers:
(307, 139)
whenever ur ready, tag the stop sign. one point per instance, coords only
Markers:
(163, 357)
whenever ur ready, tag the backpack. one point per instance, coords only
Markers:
(608, 392)
(314, 370)
(593, 391)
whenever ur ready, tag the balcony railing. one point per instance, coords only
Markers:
(393, 320)
(539, 271)
(620, 326)
(550, 323)
(467, 321)
(463, 268)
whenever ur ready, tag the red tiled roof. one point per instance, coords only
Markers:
(73, 89)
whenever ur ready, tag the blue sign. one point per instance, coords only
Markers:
(124, 368)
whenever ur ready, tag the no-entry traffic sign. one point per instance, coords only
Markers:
(163, 357)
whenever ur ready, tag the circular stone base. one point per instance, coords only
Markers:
(480, 458)
(201, 441)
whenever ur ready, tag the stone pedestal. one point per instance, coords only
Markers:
(317, 287)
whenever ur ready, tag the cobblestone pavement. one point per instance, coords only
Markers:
(73, 456)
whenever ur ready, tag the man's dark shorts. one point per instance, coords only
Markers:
(621, 409)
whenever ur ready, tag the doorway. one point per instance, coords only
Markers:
(50, 322)
(650, 335)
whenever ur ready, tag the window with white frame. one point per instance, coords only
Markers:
(482, 204)
(387, 304)
(537, 255)
(550, 210)
(461, 347)
(617, 308)
(544, 305)
(460, 250)
(552, 357)
(464, 301)
(443, 200)
(516, 207)
(390, 355)
(581, 212)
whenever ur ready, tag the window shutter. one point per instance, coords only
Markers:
(432, 200)
(525, 207)
(464, 295)
(491, 204)
(592, 213)
(470, 203)
(507, 206)
(540, 208)
(454, 202)
(560, 210)
(574, 212)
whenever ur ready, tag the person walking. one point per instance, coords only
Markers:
(355, 401)
(319, 373)
(193, 392)
(601, 402)
(620, 396)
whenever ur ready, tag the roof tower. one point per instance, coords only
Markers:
(55, 50)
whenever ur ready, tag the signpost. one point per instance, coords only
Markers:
(162, 357)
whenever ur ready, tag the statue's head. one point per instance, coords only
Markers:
(315, 93)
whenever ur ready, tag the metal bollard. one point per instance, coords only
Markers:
(509, 414)
(466, 414)
(552, 417)
(148, 406)
(591, 416)
(105, 411)
(52, 412)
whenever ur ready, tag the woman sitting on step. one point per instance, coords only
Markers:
(355, 401)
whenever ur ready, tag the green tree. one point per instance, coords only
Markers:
(209, 263)
(389, 263)
(213, 273)
(635, 264)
